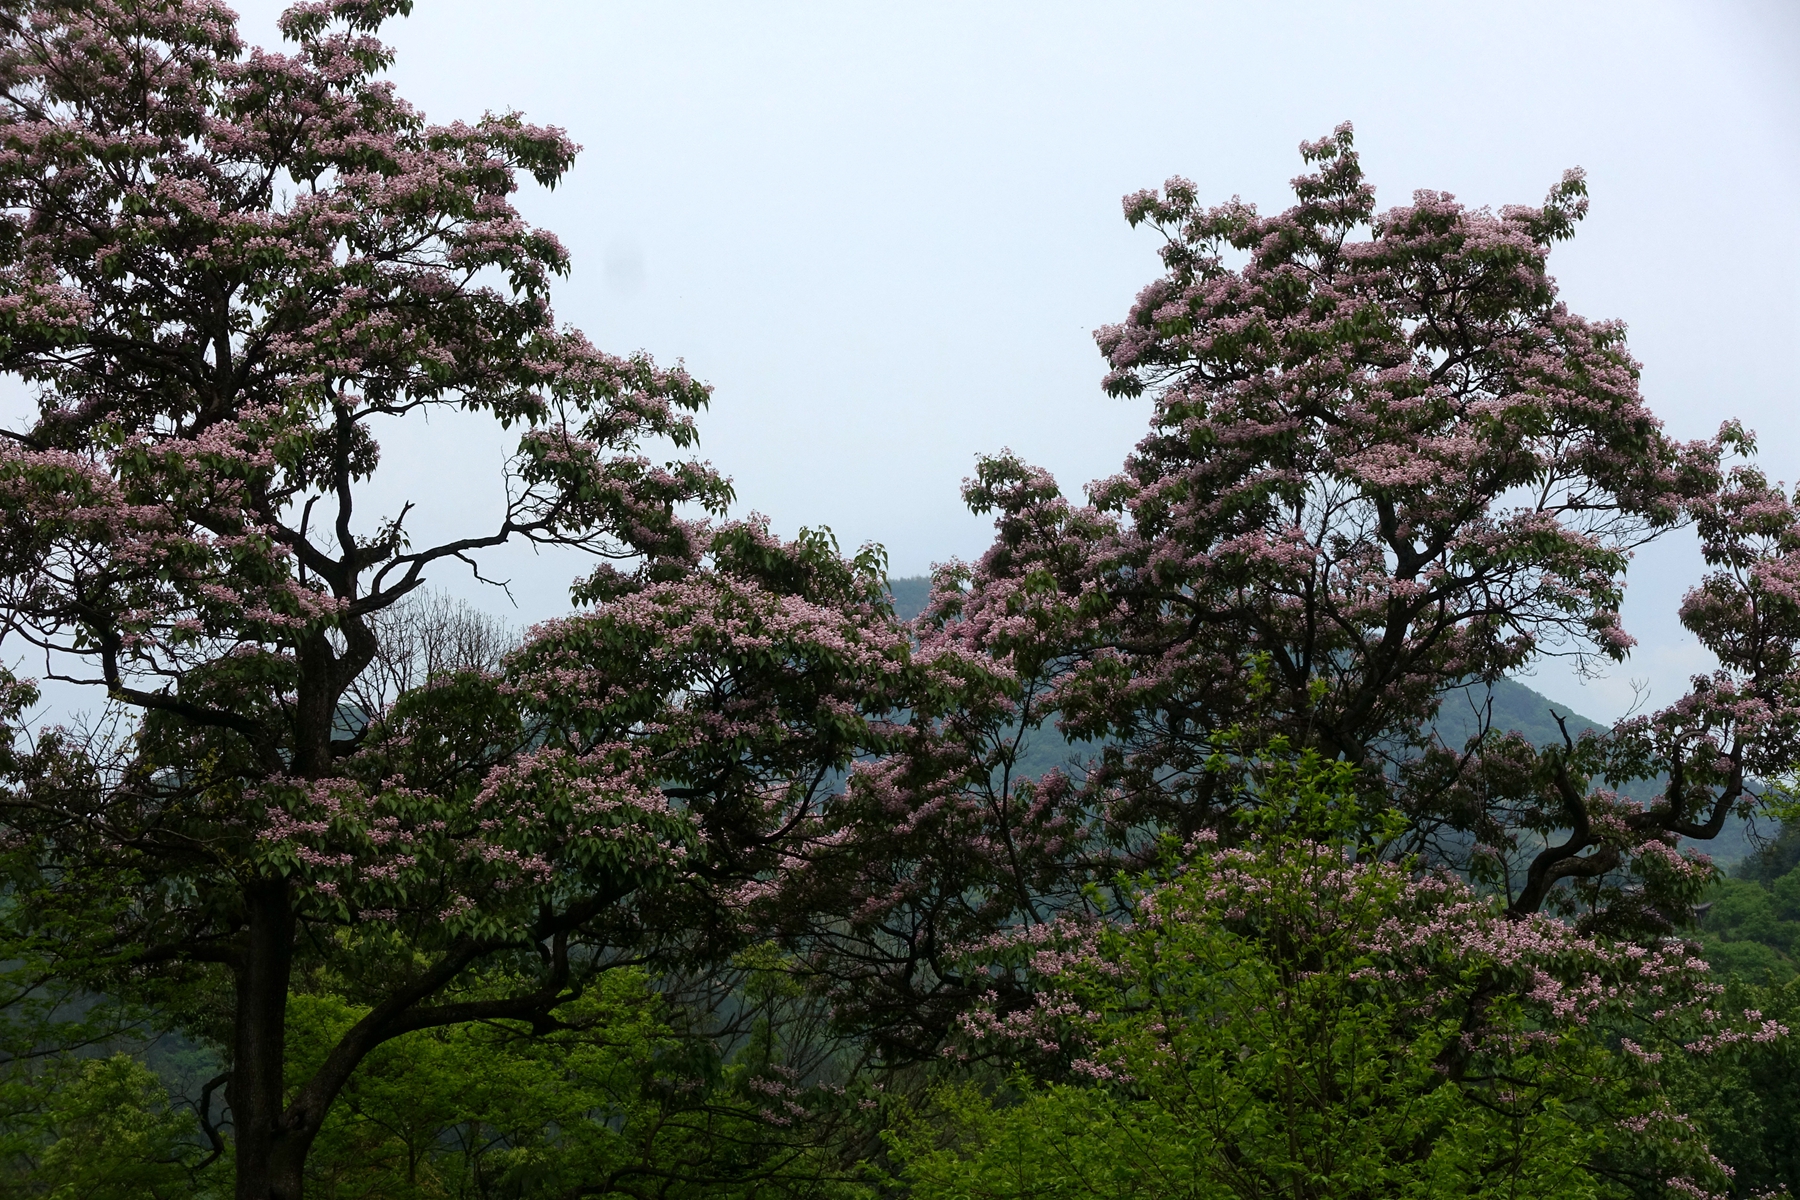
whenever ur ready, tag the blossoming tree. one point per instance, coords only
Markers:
(223, 273)
(1385, 465)
(1384, 461)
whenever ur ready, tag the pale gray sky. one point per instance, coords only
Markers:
(884, 232)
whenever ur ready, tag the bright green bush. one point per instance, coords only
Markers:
(1291, 1017)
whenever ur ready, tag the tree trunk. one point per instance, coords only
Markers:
(267, 1167)
(272, 1141)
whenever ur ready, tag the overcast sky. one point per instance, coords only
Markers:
(884, 233)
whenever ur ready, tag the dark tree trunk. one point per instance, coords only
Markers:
(272, 1139)
(267, 1169)
(316, 703)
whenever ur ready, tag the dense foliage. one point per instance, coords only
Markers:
(732, 882)
(1294, 1016)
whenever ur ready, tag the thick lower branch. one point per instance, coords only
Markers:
(1565, 861)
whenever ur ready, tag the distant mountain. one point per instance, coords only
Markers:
(1515, 707)
(910, 594)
